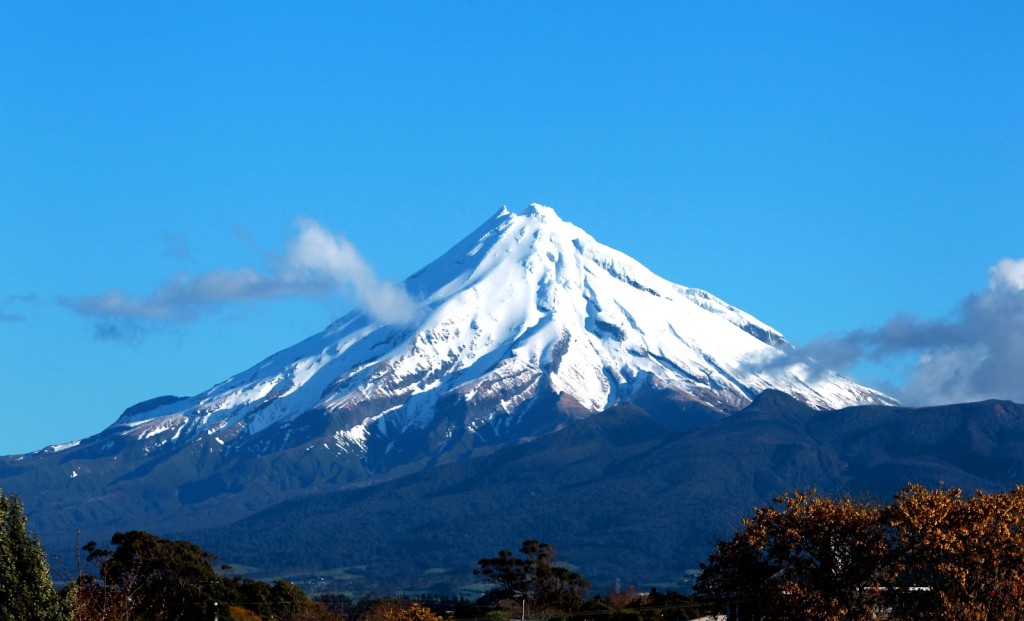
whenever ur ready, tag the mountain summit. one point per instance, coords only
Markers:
(521, 329)
(526, 309)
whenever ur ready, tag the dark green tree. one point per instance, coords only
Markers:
(166, 579)
(26, 589)
(536, 577)
(280, 600)
(143, 577)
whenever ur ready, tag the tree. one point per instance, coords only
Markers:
(929, 555)
(965, 556)
(172, 579)
(143, 576)
(804, 554)
(398, 610)
(536, 579)
(26, 589)
(280, 600)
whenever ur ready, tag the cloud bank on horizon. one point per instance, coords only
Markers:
(317, 263)
(976, 354)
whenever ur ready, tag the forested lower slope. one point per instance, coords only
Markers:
(622, 495)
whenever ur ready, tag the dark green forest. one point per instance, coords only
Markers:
(929, 554)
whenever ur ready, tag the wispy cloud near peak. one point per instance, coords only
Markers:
(316, 264)
(318, 254)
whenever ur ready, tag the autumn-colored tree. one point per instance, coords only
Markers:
(804, 554)
(963, 556)
(239, 613)
(398, 610)
(929, 555)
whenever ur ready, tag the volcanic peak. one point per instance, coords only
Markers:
(527, 309)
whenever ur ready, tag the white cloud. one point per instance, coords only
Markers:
(977, 354)
(317, 263)
(1007, 274)
(320, 254)
(186, 298)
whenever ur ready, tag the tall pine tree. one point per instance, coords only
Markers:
(26, 589)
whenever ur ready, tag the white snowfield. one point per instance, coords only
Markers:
(526, 305)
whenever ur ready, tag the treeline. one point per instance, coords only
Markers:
(929, 554)
(535, 585)
(139, 576)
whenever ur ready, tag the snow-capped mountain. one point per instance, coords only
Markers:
(522, 330)
(526, 307)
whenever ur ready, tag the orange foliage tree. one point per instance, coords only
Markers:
(930, 554)
(399, 610)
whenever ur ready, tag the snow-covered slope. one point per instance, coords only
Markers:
(526, 307)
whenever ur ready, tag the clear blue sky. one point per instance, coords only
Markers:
(825, 166)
